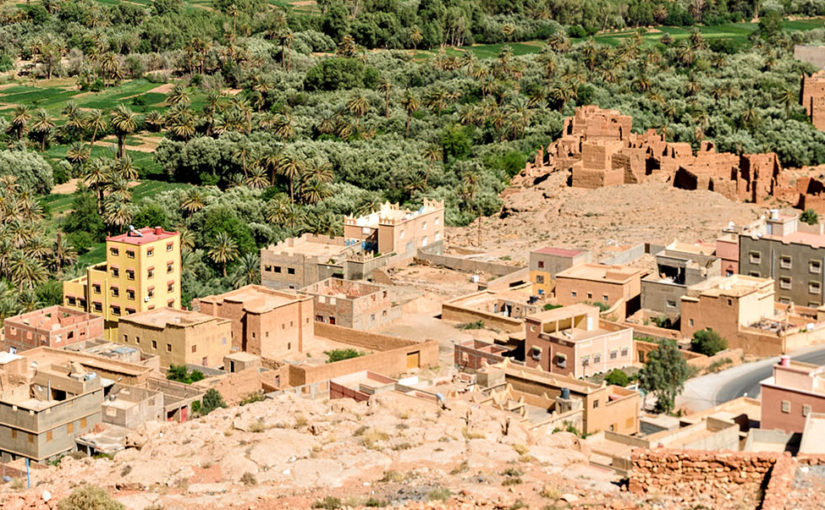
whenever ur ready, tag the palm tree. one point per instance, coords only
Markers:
(416, 37)
(292, 168)
(42, 125)
(788, 97)
(125, 169)
(269, 161)
(187, 239)
(433, 154)
(313, 191)
(320, 169)
(77, 155)
(257, 178)
(64, 253)
(436, 99)
(386, 86)
(178, 95)
(74, 120)
(97, 175)
(470, 182)
(248, 271)
(116, 213)
(358, 105)
(124, 122)
(193, 201)
(26, 272)
(94, 121)
(222, 250)
(19, 120)
(411, 104)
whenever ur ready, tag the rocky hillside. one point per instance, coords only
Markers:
(292, 453)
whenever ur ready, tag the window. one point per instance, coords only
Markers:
(115, 272)
(137, 340)
(784, 282)
(150, 273)
(754, 274)
(114, 251)
(150, 252)
(755, 257)
(424, 226)
(671, 303)
(573, 293)
(72, 301)
(690, 321)
(31, 438)
(597, 358)
(96, 288)
(614, 354)
(130, 254)
(806, 410)
(624, 351)
(290, 270)
(170, 287)
(171, 303)
(115, 310)
(784, 300)
(289, 346)
(595, 404)
(268, 269)
(154, 344)
(604, 298)
(814, 287)
(277, 269)
(169, 246)
(535, 353)
(401, 236)
(585, 360)
(541, 264)
(13, 434)
(130, 274)
(130, 294)
(83, 423)
(130, 311)
(98, 306)
(150, 292)
(786, 406)
(815, 266)
(561, 360)
(785, 262)
(589, 295)
(170, 266)
(194, 348)
(168, 347)
(69, 428)
(539, 278)
(48, 436)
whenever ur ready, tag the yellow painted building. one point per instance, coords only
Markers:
(142, 272)
(178, 337)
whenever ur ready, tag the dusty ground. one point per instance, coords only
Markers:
(554, 214)
(288, 453)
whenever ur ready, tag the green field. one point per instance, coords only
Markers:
(738, 32)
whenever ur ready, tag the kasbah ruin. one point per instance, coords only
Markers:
(599, 149)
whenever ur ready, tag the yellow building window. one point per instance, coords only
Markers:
(130, 254)
(150, 252)
(69, 428)
(48, 436)
(83, 423)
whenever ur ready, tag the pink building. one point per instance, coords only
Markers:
(795, 391)
(55, 326)
(568, 341)
(269, 323)
(727, 249)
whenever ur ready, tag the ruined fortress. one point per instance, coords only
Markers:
(598, 148)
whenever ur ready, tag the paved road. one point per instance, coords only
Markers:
(712, 389)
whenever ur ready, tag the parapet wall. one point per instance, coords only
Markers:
(752, 479)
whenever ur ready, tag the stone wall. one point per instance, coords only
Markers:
(714, 476)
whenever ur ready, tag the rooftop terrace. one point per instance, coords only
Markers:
(616, 274)
(256, 299)
(163, 317)
(142, 236)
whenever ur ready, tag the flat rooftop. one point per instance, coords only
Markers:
(163, 317)
(393, 212)
(737, 285)
(142, 236)
(344, 289)
(578, 334)
(617, 274)
(806, 238)
(812, 436)
(560, 252)
(565, 312)
(479, 298)
(53, 317)
(695, 248)
(256, 299)
(310, 246)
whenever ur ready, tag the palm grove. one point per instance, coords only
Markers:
(277, 123)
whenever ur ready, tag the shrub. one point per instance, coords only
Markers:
(252, 398)
(182, 374)
(439, 494)
(810, 217)
(211, 401)
(341, 354)
(89, 497)
(328, 503)
(249, 479)
(550, 306)
(617, 377)
(708, 342)
(471, 325)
